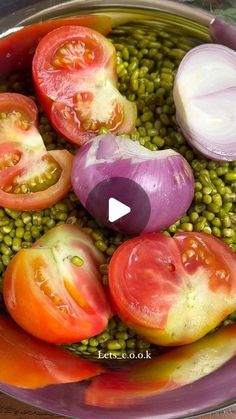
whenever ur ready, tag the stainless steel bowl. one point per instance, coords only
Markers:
(214, 391)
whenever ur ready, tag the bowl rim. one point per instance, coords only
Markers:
(45, 10)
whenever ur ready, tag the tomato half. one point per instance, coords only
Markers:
(17, 50)
(74, 70)
(173, 291)
(31, 178)
(54, 290)
(27, 362)
(166, 372)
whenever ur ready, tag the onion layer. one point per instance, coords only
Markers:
(205, 99)
(157, 186)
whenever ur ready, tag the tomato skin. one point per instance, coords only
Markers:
(173, 291)
(74, 72)
(27, 362)
(19, 137)
(65, 303)
(17, 49)
(163, 373)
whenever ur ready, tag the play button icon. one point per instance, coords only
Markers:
(117, 210)
(121, 204)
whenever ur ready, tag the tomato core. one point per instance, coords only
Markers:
(48, 174)
(73, 55)
(43, 283)
(14, 118)
(9, 159)
(90, 113)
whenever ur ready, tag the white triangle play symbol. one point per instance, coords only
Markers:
(116, 210)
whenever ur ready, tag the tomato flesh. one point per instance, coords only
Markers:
(48, 172)
(163, 287)
(74, 71)
(17, 50)
(9, 159)
(87, 116)
(18, 121)
(76, 55)
(30, 177)
(195, 251)
(166, 372)
(65, 298)
(27, 362)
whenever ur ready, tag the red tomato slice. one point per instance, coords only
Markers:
(17, 49)
(74, 71)
(18, 121)
(67, 58)
(27, 362)
(30, 177)
(172, 370)
(80, 125)
(163, 287)
(58, 280)
(38, 191)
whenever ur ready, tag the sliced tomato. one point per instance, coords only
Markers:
(18, 121)
(80, 123)
(54, 290)
(36, 181)
(27, 362)
(31, 178)
(166, 372)
(69, 57)
(74, 70)
(17, 49)
(173, 291)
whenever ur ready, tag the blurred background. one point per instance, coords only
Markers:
(224, 8)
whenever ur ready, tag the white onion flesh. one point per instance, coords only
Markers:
(205, 99)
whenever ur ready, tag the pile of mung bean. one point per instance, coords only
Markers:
(147, 59)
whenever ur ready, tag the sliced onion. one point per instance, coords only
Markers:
(223, 32)
(205, 99)
(158, 186)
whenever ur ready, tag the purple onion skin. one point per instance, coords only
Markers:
(223, 33)
(164, 177)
